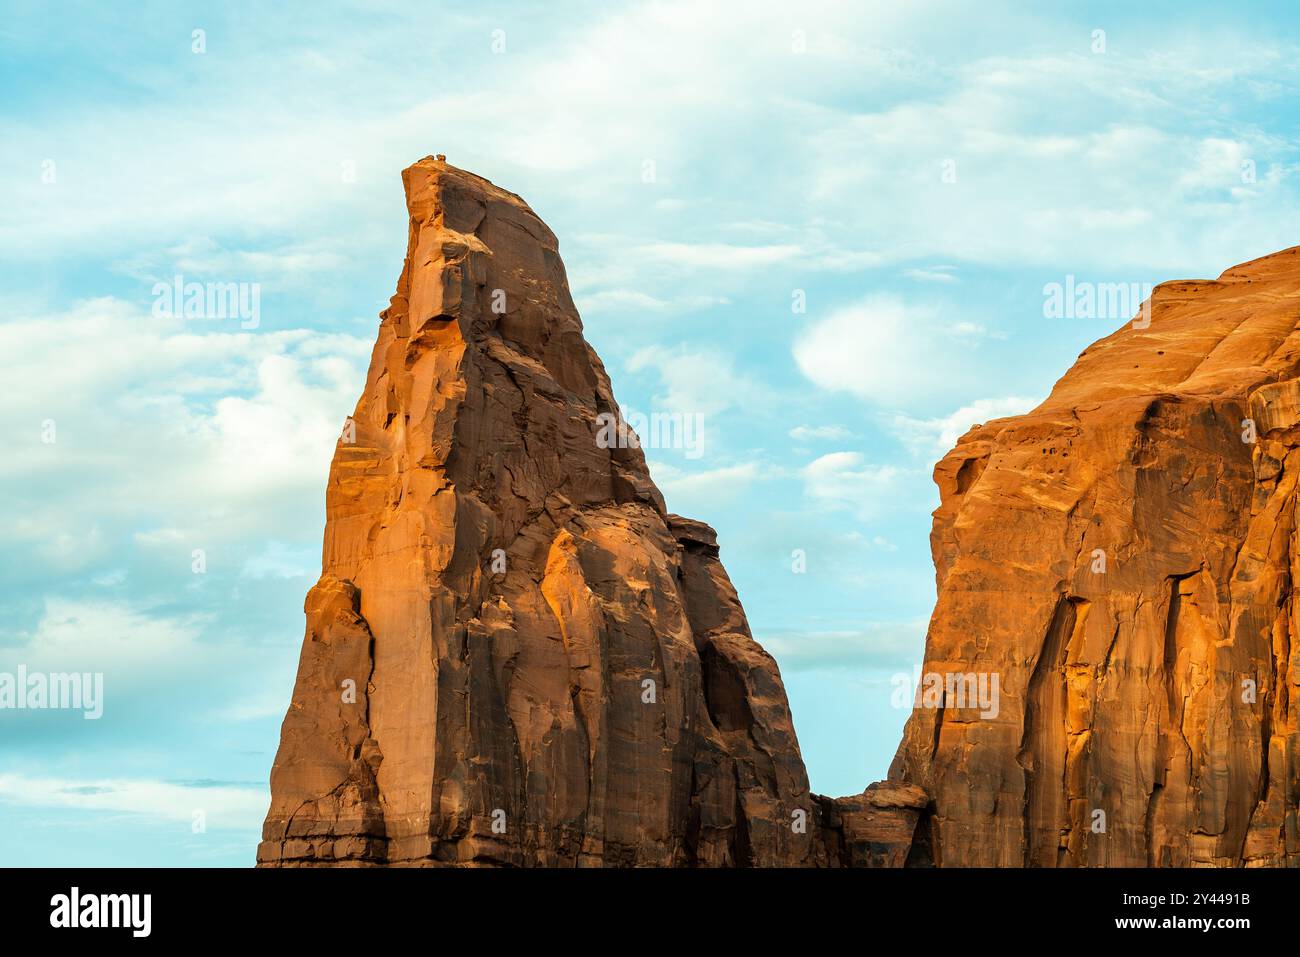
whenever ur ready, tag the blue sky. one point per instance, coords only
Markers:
(917, 172)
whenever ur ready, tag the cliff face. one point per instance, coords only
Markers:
(514, 654)
(1121, 560)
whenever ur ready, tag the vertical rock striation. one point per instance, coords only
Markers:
(514, 655)
(1123, 559)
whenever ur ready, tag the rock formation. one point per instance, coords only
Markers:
(514, 654)
(1121, 560)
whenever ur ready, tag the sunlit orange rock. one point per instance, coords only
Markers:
(514, 655)
(1121, 560)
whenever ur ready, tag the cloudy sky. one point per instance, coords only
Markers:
(825, 227)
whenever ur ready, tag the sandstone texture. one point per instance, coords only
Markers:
(514, 654)
(1123, 560)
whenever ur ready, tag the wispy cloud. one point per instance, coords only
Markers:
(934, 437)
(221, 805)
(883, 646)
(819, 433)
(687, 490)
(847, 480)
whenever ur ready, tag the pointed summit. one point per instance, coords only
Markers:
(514, 654)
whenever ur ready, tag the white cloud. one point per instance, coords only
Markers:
(1127, 131)
(160, 536)
(695, 380)
(279, 560)
(1145, 168)
(203, 258)
(77, 635)
(1216, 165)
(111, 579)
(223, 805)
(936, 436)
(717, 255)
(893, 646)
(968, 329)
(683, 489)
(931, 274)
(819, 433)
(612, 299)
(882, 350)
(631, 300)
(269, 703)
(65, 549)
(189, 429)
(846, 480)
(189, 664)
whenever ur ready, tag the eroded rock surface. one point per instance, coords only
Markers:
(1123, 559)
(514, 654)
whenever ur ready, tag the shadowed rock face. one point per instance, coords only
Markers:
(514, 655)
(1122, 560)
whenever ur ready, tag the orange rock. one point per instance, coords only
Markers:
(1120, 560)
(514, 655)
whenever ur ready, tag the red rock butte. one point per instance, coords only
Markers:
(515, 655)
(1122, 558)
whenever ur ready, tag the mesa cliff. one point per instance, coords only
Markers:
(1122, 558)
(516, 656)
